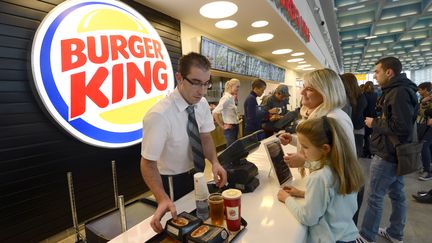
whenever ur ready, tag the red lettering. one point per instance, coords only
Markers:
(135, 47)
(148, 47)
(117, 83)
(118, 45)
(80, 91)
(70, 49)
(134, 74)
(158, 49)
(164, 77)
(91, 49)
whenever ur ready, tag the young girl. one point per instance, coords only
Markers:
(331, 189)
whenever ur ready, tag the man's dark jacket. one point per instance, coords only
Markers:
(398, 106)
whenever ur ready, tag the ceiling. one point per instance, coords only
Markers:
(187, 11)
(403, 29)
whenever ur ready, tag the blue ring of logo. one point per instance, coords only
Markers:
(47, 78)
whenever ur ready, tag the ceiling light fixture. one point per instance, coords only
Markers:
(218, 9)
(226, 24)
(356, 7)
(295, 60)
(302, 62)
(297, 54)
(305, 65)
(281, 51)
(309, 69)
(370, 37)
(259, 23)
(260, 37)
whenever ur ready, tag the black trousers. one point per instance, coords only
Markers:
(182, 183)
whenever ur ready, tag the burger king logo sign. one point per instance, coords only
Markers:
(98, 67)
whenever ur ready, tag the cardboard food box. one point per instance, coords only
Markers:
(180, 227)
(207, 233)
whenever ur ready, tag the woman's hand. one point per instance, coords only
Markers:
(285, 138)
(294, 160)
(282, 195)
(294, 191)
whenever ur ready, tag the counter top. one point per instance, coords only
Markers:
(266, 216)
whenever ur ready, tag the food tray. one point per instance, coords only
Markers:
(165, 238)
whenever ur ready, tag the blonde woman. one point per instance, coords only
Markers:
(226, 113)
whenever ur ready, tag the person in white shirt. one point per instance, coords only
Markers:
(166, 155)
(228, 109)
(332, 186)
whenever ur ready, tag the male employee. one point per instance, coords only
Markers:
(176, 138)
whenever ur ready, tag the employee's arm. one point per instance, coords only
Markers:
(219, 173)
(152, 178)
(218, 118)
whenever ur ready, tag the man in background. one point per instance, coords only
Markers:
(276, 106)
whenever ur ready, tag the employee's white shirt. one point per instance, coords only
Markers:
(228, 109)
(165, 137)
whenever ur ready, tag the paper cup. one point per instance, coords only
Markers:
(232, 202)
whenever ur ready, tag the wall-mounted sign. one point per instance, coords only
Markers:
(291, 13)
(98, 66)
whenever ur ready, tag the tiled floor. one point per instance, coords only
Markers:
(417, 229)
(419, 221)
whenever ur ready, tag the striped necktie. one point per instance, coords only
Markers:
(194, 140)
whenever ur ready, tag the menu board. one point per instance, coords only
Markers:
(237, 62)
(227, 59)
(216, 53)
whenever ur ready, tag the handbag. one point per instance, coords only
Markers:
(408, 155)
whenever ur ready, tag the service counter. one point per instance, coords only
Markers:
(268, 219)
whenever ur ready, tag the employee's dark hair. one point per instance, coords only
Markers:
(391, 62)
(190, 60)
(258, 83)
(426, 85)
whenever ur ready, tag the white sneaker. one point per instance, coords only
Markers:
(383, 233)
(360, 239)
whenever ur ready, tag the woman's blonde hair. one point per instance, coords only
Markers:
(230, 84)
(328, 83)
(342, 159)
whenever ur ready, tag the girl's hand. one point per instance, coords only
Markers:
(294, 191)
(294, 160)
(282, 195)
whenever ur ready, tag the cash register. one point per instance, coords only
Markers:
(241, 173)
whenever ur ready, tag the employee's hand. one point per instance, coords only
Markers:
(273, 110)
(294, 160)
(368, 121)
(275, 117)
(163, 207)
(429, 122)
(219, 174)
(285, 138)
(282, 195)
(294, 191)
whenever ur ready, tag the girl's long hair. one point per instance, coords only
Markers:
(342, 159)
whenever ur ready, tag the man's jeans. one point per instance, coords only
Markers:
(231, 134)
(383, 180)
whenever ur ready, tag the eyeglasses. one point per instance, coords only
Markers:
(199, 85)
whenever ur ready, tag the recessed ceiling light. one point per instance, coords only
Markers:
(281, 51)
(371, 37)
(295, 60)
(308, 69)
(302, 62)
(304, 65)
(226, 24)
(218, 9)
(260, 37)
(259, 23)
(297, 54)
